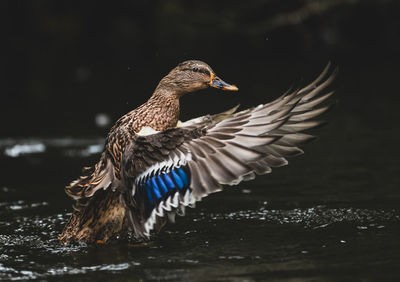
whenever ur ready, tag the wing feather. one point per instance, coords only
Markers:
(221, 149)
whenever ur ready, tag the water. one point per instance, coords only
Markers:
(290, 225)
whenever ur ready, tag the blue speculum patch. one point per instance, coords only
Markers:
(169, 181)
(177, 179)
(183, 176)
(164, 185)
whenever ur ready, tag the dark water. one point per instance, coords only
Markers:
(330, 215)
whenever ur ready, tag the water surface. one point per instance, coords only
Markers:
(322, 218)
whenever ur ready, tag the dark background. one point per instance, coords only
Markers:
(64, 63)
(332, 214)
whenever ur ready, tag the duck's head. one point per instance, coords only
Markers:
(190, 76)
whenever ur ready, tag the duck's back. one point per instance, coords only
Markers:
(157, 114)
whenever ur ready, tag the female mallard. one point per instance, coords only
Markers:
(153, 166)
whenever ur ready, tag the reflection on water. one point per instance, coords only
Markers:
(21, 149)
(70, 147)
(247, 238)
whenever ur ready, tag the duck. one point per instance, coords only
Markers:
(154, 166)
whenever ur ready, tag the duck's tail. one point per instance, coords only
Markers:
(98, 212)
(101, 219)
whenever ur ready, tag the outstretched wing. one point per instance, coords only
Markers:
(173, 169)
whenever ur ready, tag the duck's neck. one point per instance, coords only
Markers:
(168, 87)
(161, 111)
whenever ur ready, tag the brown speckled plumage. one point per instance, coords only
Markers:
(143, 180)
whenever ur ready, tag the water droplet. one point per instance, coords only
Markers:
(102, 119)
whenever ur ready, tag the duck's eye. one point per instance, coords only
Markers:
(196, 69)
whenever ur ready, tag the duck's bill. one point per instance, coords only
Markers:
(216, 82)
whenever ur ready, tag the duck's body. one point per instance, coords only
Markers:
(151, 169)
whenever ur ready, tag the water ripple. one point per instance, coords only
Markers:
(21, 205)
(315, 217)
(25, 238)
